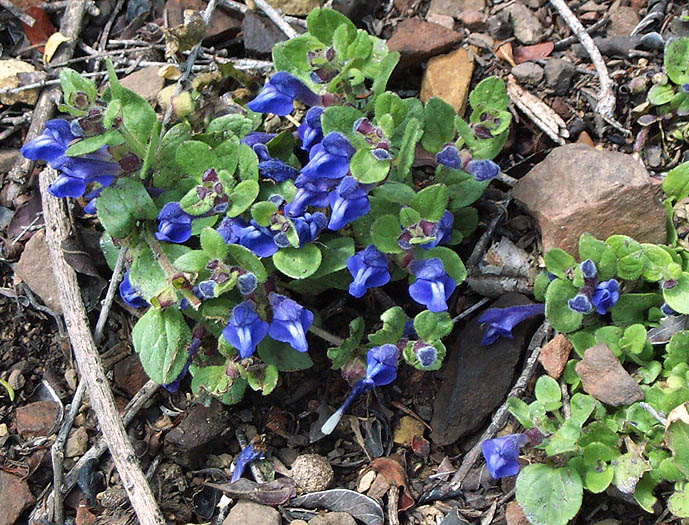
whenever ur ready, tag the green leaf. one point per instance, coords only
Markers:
(322, 24)
(393, 326)
(230, 125)
(166, 163)
(431, 326)
(73, 82)
(193, 261)
(194, 157)
(548, 495)
(248, 163)
(600, 253)
(340, 355)
(292, 55)
(559, 262)
(547, 391)
(401, 171)
(659, 95)
(120, 205)
(384, 233)
(261, 212)
(263, 378)
(677, 439)
(385, 69)
(361, 48)
(281, 146)
(643, 494)
(634, 339)
(678, 296)
(561, 317)
(8, 388)
(335, 253)
(676, 60)
(490, 93)
(597, 480)
(90, 144)
(213, 244)
(676, 182)
(465, 192)
(242, 197)
(160, 338)
(438, 124)
(466, 220)
(395, 192)
(657, 262)
(452, 264)
(629, 468)
(366, 169)
(678, 503)
(210, 379)
(631, 308)
(298, 263)
(340, 119)
(581, 406)
(431, 202)
(391, 104)
(246, 259)
(282, 356)
(520, 410)
(564, 439)
(145, 273)
(409, 216)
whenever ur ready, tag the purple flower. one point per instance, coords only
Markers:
(330, 158)
(290, 322)
(369, 269)
(500, 321)
(442, 231)
(449, 156)
(482, 169)
(309, 226)
(252, 452)
(257, 137)
(605, 296)
(226, 232)
(502, 455)
(381, 369)
(278, 95)
(433, 286)
(207, 289)
(310, 130)
(667, 310)
(588, 269)
(174, 224)
(246, 283)
(348, 202)
(273, 169)
(258, 239)
(426, 354)
(245, 329)
(580, 303)
(173, 386)
(129, 294)
(309, 193)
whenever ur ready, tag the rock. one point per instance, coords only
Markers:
(85, 516)
(16, 497)
(245, 512)
(466, 397)
(615, 195)
(77, 442)
(500, 26)
(559, 74)
(8, 157)
(35, 269)
(554, 355)
(36, 419)
(528, 73)
(603, 377)
(10, 70)
(454, 8)
(448, 77)
(287, 455)
(222, 25)
(198, 434)
(296, 7)
(16, 379)
(514, 514)
(145, 82)
(417, 41)
(473, 20)
(407, 429)
(333, 518)
(527, 28)
(481, 40)
(260, 34)
(623, 19)
(443, 20)
(129, 374)
(355, 10)
(312, 473)
(4, 434)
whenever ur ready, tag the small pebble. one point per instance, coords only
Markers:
(16, 380)
(312, 473)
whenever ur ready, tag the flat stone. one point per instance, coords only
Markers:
(35, 269)
(36, 419)
(129, 375)
(454, 8)
(417, 40)
(514, 514)
(559, 74)
(407, 429)
(198, 434)
(246, 512)
(332, 518)
(443, 20)
(9, 71)
(604, 377)
(260, 34)
(527, 28)
(623, 19)
(476, 378)
(146, 82)
(579, 189)
(77, 442)
(296, 7)
(222, 25)
(528, 73)
(16, 497)
(473, 20)
(554, 355)
(448, 77)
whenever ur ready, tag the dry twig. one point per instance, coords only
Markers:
(277, 18)
(17, 12)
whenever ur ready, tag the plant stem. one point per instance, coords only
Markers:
(327, 336)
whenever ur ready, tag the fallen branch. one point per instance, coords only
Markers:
(277, 18)
(606, 95)
(86, 354)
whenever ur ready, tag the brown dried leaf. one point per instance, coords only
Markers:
(42, 28)
(504, 52)
(536, 52)
(392, 469)
(275, 493)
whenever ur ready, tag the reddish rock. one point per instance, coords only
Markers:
(85, 516)
(603, 377)
(145, 82)
(443, 20)
(417, 41)
(473, 20)
(16, 497)
(579, 189)
(36, 419)
(554, 355)
(129, 375)
(514, 514)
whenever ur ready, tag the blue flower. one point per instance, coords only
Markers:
(442, 231)
(426, 354)
(588, 269)
(369, 269)
(245, 329)
(246, 283)
(252, 452)
(667, 310)
(290, 322)
(309, 193)
(278, 95)
(226, 232)
(174, 224)
(309, 226)
(449, 156)
(348, 202)
(580, 304)
(258, 239)
(274, 169)
(310, 130)
(433, 286)
(257, 137)
(502, 455)
(207, 289)
(91, 199)
(500, 321)
(129, 295)
(50, 145)
(482, 169)
(173, 386)
(330, 158)
(605, 296)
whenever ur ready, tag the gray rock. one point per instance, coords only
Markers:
(333, 518)
(604, 377)
(500, 26)
(247, 512)
(454, 8)
(355, 10)
(260, 34)
(527, 28)
(528, 73)
(623, 20)
(36, 270)
(558, 75)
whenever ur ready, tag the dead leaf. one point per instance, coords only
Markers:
(51, 46)
(42, 28)
(504, 52)
(275, 493)
(361, 507)
(392, 469)
(679, 413)
(536, 52)
(170, 72)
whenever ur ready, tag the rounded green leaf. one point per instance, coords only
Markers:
(262, 212)
(431, 202)
(678, 296)
(298, 263)
(384, 234)
(248, 260)
(213, 244)
(547, 495)
(561, 317)
(596, 481)
(451, 262)
(548, 391)
(366, 169)
(242, 196)
(430, 326)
